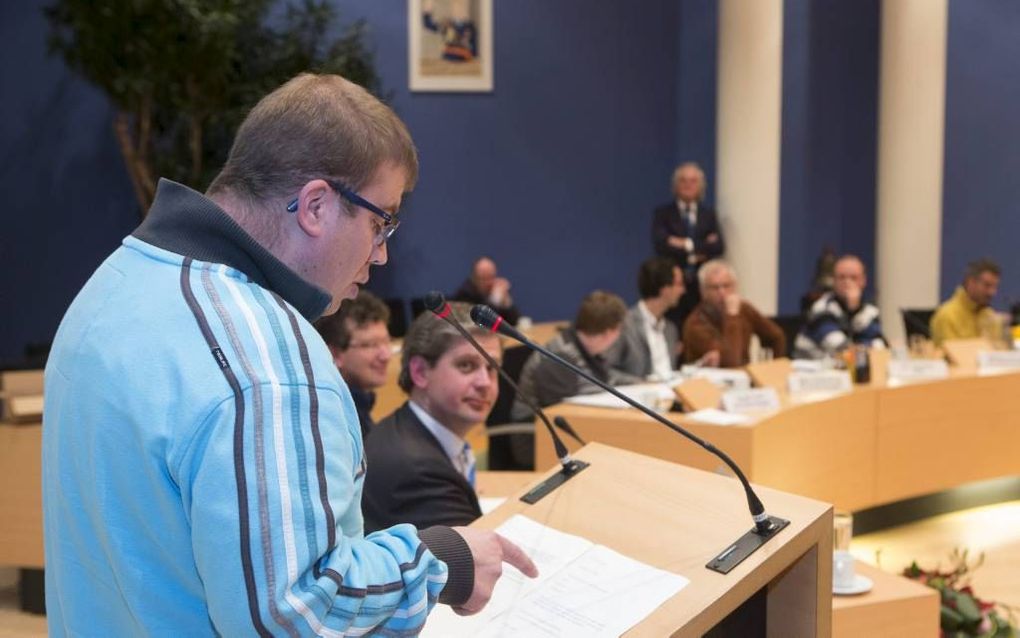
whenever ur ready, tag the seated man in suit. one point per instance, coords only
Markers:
(360, 344)
(687, 230)
(486, 287)
(648, 345)
(596, 328)
(840, 318)
(420, 468)
(968, 314)
(718, 332)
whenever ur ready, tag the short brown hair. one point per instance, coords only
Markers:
(976, 268)
(364, 309)
(429, 337)
(314, 126)
(600, 311)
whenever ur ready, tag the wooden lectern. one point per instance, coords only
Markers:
(678, 519)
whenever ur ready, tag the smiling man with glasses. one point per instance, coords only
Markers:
(360, 344)
(203, 462)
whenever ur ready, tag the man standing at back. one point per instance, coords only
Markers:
(202, 458)
(687, 230)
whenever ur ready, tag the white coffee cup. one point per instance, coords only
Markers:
(525, 323)
(842, 569)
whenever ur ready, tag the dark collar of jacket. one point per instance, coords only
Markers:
(186, 222)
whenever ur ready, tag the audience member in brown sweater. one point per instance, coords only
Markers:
(719, 330)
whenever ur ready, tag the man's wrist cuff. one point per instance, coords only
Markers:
(451, 548)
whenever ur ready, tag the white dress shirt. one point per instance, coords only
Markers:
(655, 335)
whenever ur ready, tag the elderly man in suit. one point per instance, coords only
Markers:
(649, 345)
(687, 230)
(422, 471)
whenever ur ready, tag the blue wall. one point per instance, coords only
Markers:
(66, 198)
(829, 138)
(552, 173)
(981, 190)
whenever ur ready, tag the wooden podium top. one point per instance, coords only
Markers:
(677, 519)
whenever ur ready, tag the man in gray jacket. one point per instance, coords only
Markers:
(649, 344)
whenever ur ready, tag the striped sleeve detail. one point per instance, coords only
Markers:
(240, 476)
(259, 418)
(288, 515)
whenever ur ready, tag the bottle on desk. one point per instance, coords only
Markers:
(858, 362)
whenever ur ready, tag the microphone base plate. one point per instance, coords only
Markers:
(744, 546)
(547, 486)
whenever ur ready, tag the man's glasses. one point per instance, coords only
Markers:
(383, 234)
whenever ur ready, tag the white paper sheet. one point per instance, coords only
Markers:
(715, 416)
(650, 395)
(582, 590)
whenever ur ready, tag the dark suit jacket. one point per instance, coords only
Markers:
(468, 293)
(411, 480)
(668, 221)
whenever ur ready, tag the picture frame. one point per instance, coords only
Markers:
(450, 45)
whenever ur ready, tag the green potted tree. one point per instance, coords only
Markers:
(182, 74)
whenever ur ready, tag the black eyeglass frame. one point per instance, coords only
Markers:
(391, 224)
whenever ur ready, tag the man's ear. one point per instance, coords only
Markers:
(419, 370)
(312, 207)
(338, 356)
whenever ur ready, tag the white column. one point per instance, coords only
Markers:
(911, 129)
(749, 120)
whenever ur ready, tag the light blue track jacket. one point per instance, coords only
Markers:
(202, 458)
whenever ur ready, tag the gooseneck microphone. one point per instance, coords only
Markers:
(765, 526)
(436, 303)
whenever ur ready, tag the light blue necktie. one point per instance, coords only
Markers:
(467, 463)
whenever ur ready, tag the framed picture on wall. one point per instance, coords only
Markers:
(450, 45)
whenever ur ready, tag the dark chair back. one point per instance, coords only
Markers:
(398, 317)
(514, 452)
(791, 325)
(417, 307)
(917, 321)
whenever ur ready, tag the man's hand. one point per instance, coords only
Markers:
(853, 297)
(732, 305)
(490, 551)
(710, 359)
(679, 243)
(500, 291)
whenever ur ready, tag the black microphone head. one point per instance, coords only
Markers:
(435, 301)
(485, 317)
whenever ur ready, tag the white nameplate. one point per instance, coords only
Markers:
(826, 382)
(998, 360)
(724, 378)
(917, 369)
(753, 400)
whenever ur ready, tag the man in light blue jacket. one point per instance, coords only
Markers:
(202, 458)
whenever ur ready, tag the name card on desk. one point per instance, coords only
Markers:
(751, 401)
(998, 361)
(722, 377)
(823, 383)
(907, 370)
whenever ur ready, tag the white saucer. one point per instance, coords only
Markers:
(861, 584)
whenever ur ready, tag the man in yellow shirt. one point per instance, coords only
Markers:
(968, 313)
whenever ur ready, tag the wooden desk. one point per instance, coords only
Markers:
(896, 607)
(21, 532)
(872, 446)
